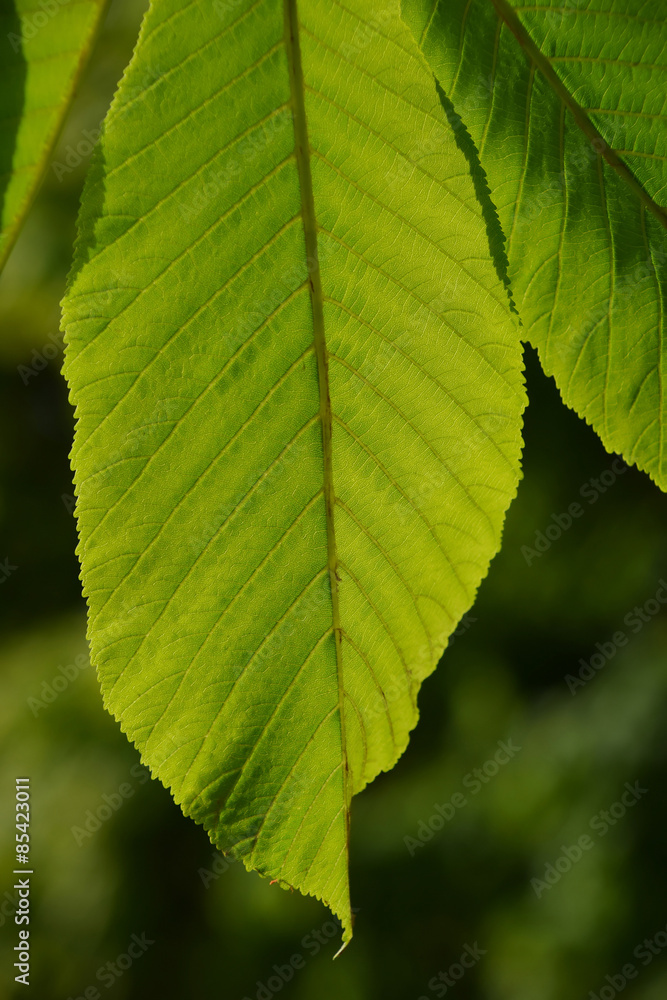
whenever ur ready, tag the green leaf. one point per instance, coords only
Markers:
(45, 46)
(298, 392)
(567, 105)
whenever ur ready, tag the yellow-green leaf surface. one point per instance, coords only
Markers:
(44, 47)
(298, 392)
(566, 102)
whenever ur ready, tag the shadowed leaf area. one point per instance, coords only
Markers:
(565, 103)
(43, 48)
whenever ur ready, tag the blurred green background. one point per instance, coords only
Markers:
(217, 931)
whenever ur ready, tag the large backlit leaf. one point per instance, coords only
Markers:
(567, 105)
(44, 47)
(298, 391)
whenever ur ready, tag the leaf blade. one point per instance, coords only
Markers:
(206, 534)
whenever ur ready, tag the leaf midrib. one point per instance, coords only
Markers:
(310, 228)
(509, 17)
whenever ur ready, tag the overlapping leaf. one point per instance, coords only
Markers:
(298, 393)
(44, 49)
(567, 105)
